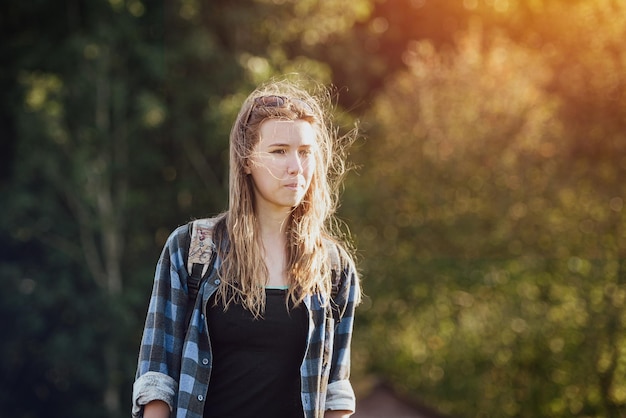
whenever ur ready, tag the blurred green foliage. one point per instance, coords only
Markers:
(488, 208)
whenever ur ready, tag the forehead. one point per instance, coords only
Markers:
(289, 132)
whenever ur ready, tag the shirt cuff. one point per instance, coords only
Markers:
(340, 396)
(153, 386)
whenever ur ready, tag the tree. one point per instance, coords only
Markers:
(105, 103)
(485, 226)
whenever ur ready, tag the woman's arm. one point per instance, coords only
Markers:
(340, 399)
(158, 409)
(164, 331)
(336, 414)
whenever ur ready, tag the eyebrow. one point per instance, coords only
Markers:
(281, 144)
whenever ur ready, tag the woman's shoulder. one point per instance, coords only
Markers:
(178, 236)
(339, 254)
(181, 235)
(345, 286)
(175, 247)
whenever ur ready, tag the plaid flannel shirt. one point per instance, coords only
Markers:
(175, 363)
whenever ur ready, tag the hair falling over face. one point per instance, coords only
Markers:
(312, 222)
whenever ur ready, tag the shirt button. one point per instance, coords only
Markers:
(200, 398)
(217, 281)
(205, 361)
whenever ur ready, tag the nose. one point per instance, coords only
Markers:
(294, 165)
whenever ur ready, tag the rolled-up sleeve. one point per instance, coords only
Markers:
(340, 396)
(153, 386)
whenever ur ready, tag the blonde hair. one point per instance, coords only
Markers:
(312, 223)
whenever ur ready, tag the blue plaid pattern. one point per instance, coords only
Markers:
(175, 364)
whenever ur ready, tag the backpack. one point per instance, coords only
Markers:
(201, 256)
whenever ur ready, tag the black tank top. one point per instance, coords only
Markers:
(256, 363)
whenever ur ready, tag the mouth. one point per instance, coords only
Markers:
(294, 186)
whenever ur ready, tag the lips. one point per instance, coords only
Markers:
(294, 186)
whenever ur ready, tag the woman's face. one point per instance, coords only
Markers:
(282, 164)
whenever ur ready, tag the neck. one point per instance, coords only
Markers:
(273, 239)
(273, 224)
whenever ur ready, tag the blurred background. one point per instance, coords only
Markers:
(487, 207)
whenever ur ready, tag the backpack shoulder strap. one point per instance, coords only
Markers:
(201, 257)
(337, 301)
(335, 267)
(201, 246)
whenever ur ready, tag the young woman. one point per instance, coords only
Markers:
(270, 332)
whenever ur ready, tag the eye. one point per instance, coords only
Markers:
(306, 152)
(278, 151)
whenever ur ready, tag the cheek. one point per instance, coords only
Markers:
(310, 165)
(265, 163)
